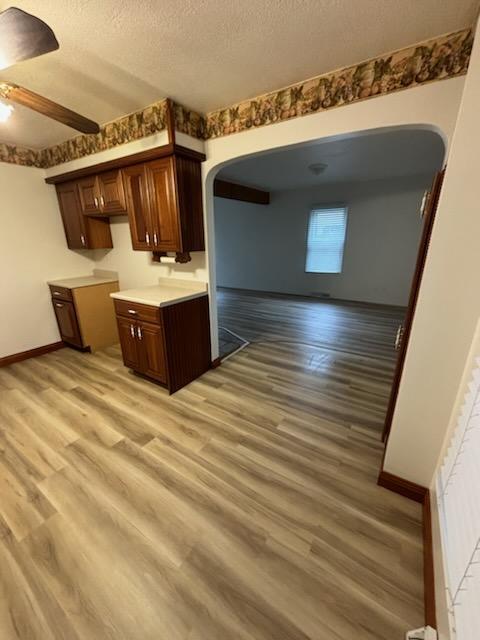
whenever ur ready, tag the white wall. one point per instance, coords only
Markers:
(433, 106)
(263, 247)
(32, 251)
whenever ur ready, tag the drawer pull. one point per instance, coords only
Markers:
(139, 333)
(132, 311)
(57, 293)
(132, 331)
(57, 304)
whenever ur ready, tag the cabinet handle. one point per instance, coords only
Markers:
(139, 333)
(57, 293)
(82, 238)
(132, 311)
(102, 201)
(147, 237)
(155, 239)
(96, 202)
(57, 304)
(132, 331)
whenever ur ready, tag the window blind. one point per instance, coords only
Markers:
(326, 240)
(458, 490)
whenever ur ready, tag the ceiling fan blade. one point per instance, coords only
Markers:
(23, 36)
(53, 110)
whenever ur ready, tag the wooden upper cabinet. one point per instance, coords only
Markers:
(102, 194)
(88, 194)
(71, 213)
(162, 197)
(138, 207)
(112, 193)
(82, 232)
(164, 203)
(164, 213)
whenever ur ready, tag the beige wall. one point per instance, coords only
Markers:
(32, 251)
(447, 314)
(448, 306)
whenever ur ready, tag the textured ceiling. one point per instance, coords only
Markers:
(374, 156)
(117, 56)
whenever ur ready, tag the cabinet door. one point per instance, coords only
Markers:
(112, 193)
(150, 340)
(89, 196)
(163, 205)
(134, 180)
(67, 322)
(127, 331)
(72, 218)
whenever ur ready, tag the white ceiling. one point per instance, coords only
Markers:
(117, 56)
(372, 156)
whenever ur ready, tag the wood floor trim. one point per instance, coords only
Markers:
(31, 353)
(419, 494)
(428, 564)
(403, 487)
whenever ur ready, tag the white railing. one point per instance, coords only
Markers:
(458, 490)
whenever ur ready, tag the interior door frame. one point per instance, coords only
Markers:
(430, 211)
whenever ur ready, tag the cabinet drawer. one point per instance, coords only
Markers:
(60, 293)
(136, 311)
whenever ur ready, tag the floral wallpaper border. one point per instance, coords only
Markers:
(436, 59)
(21, 155)
(134, 126)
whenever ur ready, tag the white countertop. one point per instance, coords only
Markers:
(169, 291)
(85, 281)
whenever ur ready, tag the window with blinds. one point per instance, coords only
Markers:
(327, 227)
(458, 490)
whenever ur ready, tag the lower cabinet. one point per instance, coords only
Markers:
(143, 348)
(85, 315)
(170, 345)
(67, 322)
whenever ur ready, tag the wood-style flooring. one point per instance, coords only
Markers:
(244, 507)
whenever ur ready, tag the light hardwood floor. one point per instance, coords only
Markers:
(243, 507)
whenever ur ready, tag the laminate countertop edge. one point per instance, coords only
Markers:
(152, 302)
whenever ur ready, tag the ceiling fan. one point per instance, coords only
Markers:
(23, 36)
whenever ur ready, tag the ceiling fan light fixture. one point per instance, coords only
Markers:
(5, 111)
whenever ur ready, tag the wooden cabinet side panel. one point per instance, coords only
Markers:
(99, 235)
(96, 315)
(190, 203)
(187, 340)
